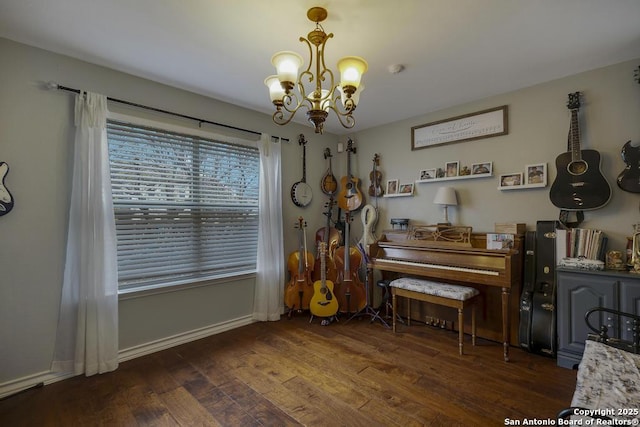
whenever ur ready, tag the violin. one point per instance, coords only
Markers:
(330, 237)
(350, 290)
(375, 176)
(300, 264)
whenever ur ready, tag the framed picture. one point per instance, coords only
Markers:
(392, 187)
(451, 169)
(536, 175)
(482, 168)
(406, 189)
(481, 124)
(511, 179)
(427, 174)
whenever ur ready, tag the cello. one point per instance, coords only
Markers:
(300, 264)
(350, 290)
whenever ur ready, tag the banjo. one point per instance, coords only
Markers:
(301, 193)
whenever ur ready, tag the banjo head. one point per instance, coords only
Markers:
(301, 194)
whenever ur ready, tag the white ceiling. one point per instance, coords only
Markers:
(454, 51)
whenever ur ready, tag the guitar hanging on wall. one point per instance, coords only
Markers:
(579, 184)
(301, 193)
(350, 197)
(6, 199)
(629, 178)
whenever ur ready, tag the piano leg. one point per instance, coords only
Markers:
(506, 322)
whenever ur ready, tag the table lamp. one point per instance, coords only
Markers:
(446, 196)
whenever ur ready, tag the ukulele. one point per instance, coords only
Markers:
(375, 189)
(323, 302)
(329, 184)
(301, 193)
(300, 264)
(579, 184)
(6, 199)
(350, 197)
(629, 178)
(350, 289)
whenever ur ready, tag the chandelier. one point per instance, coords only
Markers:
(316, 91)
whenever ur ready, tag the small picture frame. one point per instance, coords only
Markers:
(511, 179)
(451, 169)
(427, 174)
(392, 187)
(536, 175)
(406, 189)
(485, 168)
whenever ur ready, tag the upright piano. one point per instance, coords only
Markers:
(497, 273)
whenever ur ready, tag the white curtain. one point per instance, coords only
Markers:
(269, 295)
(87, 335)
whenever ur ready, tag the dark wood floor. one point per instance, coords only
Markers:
(291, 372)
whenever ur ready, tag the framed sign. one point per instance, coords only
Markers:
(482, 124)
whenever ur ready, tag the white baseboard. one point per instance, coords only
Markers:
(16, 386)
(183, 338)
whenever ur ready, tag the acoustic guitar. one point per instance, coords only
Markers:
(629, 178)
(323, 302)
(350, 197)
(579, 184)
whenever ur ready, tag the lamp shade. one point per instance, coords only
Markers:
(446, 196)
(287, 64)
(351, 70)
(276, 92)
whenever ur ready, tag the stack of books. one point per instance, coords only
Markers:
(580, 243)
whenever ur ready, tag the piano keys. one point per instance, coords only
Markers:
(496, 273)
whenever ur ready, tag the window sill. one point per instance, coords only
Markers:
(144, 291)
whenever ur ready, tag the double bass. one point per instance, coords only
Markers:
(350, 290)
(300, 264)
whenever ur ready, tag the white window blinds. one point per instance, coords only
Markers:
(186, 207)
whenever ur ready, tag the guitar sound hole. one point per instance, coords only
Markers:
(577, 168)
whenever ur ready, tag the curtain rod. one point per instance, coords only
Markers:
(54, 85)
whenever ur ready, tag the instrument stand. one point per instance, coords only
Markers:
(326, 321)
(367, 309)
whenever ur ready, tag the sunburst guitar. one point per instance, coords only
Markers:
(323, 302)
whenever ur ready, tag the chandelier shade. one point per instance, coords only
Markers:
(314, 89)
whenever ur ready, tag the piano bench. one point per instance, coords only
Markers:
(444, 294)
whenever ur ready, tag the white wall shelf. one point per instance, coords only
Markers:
(453, 178)
(522, 187)
(398, 195)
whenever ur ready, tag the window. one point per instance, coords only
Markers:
(186, 207)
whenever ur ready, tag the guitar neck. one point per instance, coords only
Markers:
(574, 139)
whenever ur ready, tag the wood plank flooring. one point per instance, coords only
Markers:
(291, 373)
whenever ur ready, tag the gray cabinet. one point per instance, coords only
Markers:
(579, 291)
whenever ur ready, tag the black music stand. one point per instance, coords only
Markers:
(367, 310)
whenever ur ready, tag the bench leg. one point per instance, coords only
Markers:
(461, 329)
(473, 324)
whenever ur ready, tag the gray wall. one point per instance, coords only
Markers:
(36, 138)
(36, 134)
(538, 127)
